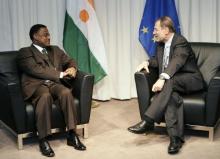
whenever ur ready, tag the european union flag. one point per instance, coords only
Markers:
(153, 10)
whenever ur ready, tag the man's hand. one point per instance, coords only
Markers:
(158, 86)
(143, 65)
(70, 72)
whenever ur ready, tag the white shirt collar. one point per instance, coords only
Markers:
(38, 47)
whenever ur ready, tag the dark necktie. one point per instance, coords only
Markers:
(44, 52)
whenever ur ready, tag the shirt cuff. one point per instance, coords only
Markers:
(61, 74)
(164, 76)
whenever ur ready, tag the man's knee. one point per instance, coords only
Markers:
(65, 92)
(45, 96)
(43, 104)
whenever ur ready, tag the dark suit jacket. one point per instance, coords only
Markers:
(181, 59)
(35, 68)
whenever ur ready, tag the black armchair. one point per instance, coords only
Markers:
(18, 116)
(201, 109)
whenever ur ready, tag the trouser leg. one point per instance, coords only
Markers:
(158, 106)
(42, 100)
(66, 102)
(174, 116)
(166, 101)
(179, 83)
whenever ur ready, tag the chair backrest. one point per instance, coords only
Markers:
(208, 58)
(8, 67)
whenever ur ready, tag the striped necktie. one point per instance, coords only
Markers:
(44, 51)
(166, 57)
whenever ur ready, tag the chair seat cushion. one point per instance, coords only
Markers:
(194, 108)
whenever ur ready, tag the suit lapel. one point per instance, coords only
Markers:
(160, 55)
(172, 46)
(160, 51)
(38, 55)
(43, 58)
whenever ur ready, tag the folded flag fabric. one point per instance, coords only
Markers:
(82, 38)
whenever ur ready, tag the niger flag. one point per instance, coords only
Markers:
(82, 38)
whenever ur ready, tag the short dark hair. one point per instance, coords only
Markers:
(166, 21)
(34, 29)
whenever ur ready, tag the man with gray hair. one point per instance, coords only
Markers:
(178, 73)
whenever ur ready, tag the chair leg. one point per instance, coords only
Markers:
(20, 142)
(85, 131)
(19, 136)
(211, 134)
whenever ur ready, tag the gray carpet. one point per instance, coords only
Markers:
(109, 139)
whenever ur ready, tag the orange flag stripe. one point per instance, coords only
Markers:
(92, 3)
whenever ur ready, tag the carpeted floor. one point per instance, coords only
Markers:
(109, 139)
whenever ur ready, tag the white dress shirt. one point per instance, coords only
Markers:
(166, 58)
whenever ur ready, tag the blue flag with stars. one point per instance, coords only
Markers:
(153, 10)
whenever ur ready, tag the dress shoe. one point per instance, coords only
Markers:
(74, 141)
(175, 145)
(141, 127)
(45, 148)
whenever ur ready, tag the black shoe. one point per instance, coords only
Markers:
(175, 145)
(45, 148)
(141, 127)
(74, 141)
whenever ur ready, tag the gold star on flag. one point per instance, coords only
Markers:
(144, 30)
(154, 39)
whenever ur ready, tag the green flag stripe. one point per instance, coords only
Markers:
(76, 45)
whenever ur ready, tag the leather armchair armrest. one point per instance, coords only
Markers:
(144, 82)
(213, 100)
(13, 107)
(83, 89)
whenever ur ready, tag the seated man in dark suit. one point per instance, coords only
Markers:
(43, 66)
(178, 73)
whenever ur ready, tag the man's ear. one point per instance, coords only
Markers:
(35, 37)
